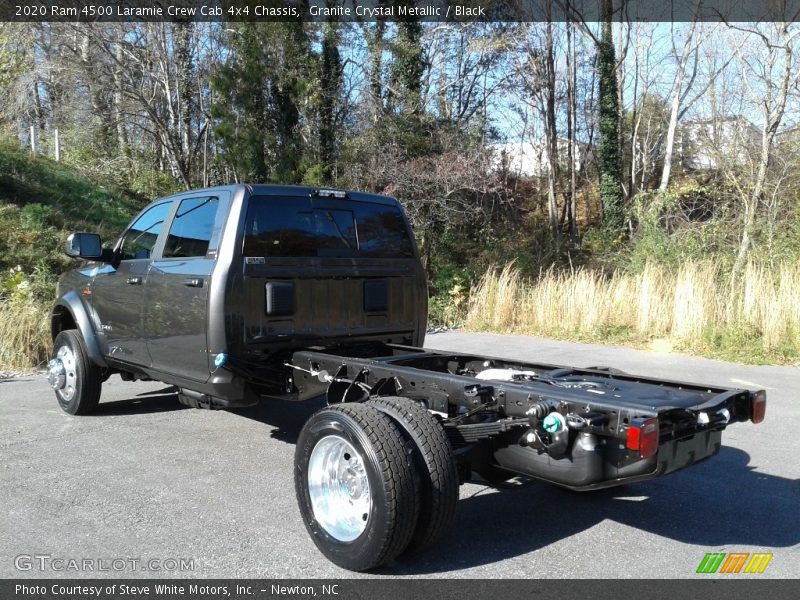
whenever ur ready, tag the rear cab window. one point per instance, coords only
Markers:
(277, 226)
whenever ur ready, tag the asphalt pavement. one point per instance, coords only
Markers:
(167, 491)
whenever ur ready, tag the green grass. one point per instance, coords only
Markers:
(42, 201)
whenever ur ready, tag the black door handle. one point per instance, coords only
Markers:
(134, 280)
(193, 282)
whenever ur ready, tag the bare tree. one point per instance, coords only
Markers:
(646, 120)
(534, 75)
(443, 193)
(679, 93)
(464, 74)
(572, 109)
(151, 71)
(769, 70)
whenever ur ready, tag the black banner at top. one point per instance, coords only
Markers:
(397, 10)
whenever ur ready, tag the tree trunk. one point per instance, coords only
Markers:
(610, 170)
(551, 133)
(773, 116)
(182, 35)
(331, 84)
(677, 92)
(119, 122)
(375, 47)
(571, 126)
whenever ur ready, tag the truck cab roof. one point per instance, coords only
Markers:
(269, 189)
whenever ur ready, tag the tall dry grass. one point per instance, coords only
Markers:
(24, 334)
(693, 304)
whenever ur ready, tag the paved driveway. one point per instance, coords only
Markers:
(146, 480)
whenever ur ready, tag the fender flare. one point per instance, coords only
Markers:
(74, 305)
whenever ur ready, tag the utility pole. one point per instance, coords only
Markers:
(57, 144)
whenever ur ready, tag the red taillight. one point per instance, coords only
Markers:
(758, 406)
(643, 436)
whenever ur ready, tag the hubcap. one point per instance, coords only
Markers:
(56, 374)
(339, 488)
(61, 373)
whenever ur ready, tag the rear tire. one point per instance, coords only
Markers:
(435, 466)
(356, 486)
(79, 393)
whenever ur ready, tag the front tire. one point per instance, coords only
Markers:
(77, 381)
(355, 486)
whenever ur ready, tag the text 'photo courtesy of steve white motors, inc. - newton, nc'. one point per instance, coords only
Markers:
(173, 589)
(214, 10)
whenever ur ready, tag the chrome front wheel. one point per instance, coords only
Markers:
(61, 373)
(76, 380)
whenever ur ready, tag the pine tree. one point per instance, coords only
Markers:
(408, 67)
(331, 83)
(409, 123)
(260, 90)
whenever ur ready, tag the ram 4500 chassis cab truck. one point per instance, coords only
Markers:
(248, 292)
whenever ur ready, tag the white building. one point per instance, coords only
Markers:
(526, 159)
(704, 145)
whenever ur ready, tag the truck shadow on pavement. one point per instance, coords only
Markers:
(155, 401)
(720, 502)
(285, 416)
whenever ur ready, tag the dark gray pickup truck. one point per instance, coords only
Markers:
(248, 292)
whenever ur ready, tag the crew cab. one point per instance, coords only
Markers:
(245, 293)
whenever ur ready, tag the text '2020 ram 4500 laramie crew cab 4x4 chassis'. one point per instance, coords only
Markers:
(239, 293)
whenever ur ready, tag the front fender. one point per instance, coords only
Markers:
(77, 309)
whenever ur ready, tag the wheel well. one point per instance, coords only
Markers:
(60, 320)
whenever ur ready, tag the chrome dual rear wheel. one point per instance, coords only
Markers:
(355, 486)
(375, 480)
(338, 487)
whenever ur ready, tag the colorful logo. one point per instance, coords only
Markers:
(734, 562)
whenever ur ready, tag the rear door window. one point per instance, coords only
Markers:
(293, 227)
(191, 229)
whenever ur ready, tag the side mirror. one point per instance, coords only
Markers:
(84, 245)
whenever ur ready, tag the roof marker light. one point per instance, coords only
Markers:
(325, 193)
